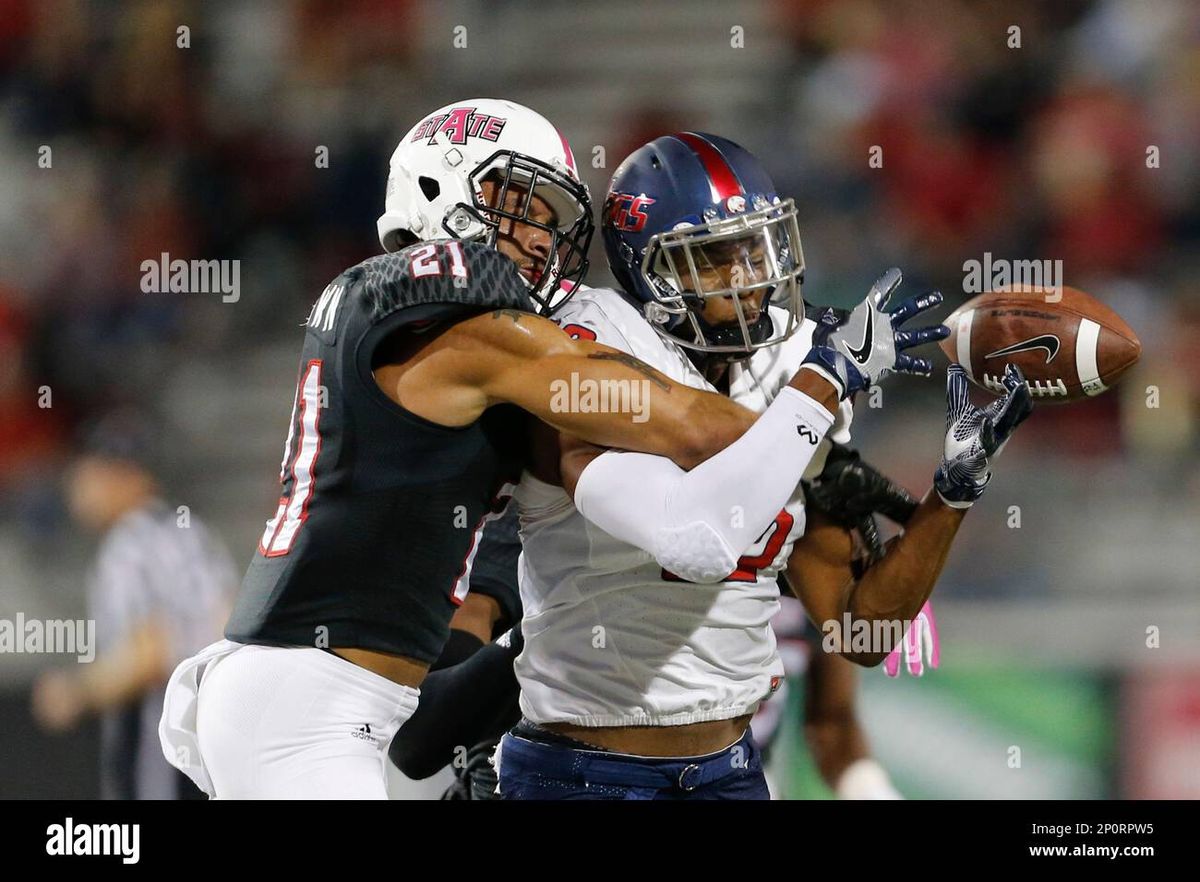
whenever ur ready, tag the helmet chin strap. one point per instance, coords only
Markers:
(729, 334)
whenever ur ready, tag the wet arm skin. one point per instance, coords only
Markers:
(893, 589)
(513, 357)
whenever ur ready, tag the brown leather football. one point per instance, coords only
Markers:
(1069, 345)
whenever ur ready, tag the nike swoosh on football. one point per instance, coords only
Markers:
(862, 352)
(1044, 341)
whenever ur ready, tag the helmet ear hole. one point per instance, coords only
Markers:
(430, 187)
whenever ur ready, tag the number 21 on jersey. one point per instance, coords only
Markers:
(296, 473)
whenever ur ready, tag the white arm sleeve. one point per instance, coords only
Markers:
(698, 523)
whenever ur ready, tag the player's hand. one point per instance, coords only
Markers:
(975, 436)
(58, 702)
(920, 646)
(868, 340)
(849, 489)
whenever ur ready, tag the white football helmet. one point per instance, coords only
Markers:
(434, 186)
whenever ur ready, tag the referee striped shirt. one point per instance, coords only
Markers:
(154, 564)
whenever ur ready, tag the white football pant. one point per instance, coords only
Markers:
(297, 723)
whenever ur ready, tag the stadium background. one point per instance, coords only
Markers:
(1031, 152)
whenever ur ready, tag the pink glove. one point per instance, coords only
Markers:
(921, 642)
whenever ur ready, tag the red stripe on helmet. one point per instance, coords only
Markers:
(567, 150)
(721, 178)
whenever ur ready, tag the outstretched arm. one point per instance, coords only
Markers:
(895, 587)
(891, 591)
(698, 523)
(514, 357)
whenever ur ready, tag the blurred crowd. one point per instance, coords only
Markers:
(1027, 130)
(195, 129)
(200, 143)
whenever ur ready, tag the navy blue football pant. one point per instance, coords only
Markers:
(530, 769)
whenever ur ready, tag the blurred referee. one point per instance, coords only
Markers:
(159, 591)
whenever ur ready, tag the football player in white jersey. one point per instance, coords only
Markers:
(648, 590)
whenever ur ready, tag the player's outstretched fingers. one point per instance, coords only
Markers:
(1014, 407)
(830, 319)
(891, 664)
(933, 645)
(884, 286)
(958, 396)
(913, 305)
(912, 645)
(907, 364)
(920, 336)
(987, 436)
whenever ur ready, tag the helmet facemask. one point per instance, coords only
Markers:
(753, 260)
(569, 231)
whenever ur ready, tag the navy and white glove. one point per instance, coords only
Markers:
(862, 346)
(975, 435)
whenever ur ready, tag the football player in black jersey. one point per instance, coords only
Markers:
(408, 429)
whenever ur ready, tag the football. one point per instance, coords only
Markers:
(1069, 345)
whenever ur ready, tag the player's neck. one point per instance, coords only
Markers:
(717, 373)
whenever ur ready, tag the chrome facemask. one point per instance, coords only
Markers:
(567, 261)
(758, 251)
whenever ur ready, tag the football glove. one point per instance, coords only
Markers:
(974, 435)
(861, 346)
(849, 489)
(920, 646)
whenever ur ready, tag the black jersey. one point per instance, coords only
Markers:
(381, 509)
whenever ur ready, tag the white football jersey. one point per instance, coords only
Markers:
(612, 639)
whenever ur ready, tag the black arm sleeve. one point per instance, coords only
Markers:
(471, 691)
(460, 706)
(494, 572)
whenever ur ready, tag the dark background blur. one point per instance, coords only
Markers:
(1030, 152)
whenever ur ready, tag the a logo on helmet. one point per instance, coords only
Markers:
(459, 124)
(736, 203)
(626, 211)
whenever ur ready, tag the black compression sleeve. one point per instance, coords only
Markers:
(460, 646)
(459, 706)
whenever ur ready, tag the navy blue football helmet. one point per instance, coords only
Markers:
(689, 217)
